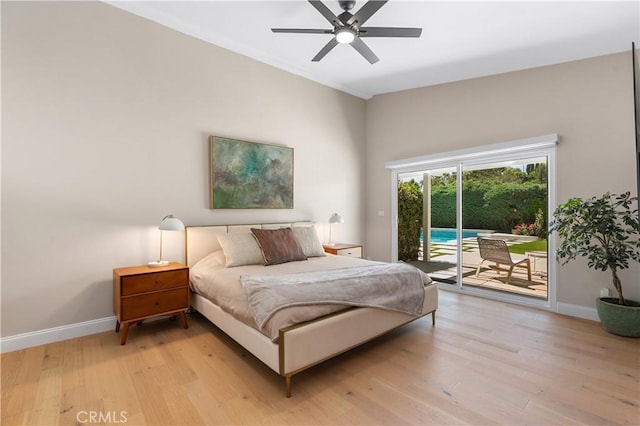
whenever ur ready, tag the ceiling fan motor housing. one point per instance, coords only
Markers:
(347, 4)
(344, 18)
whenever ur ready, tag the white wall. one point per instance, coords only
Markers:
(106, 118)
(589, 103)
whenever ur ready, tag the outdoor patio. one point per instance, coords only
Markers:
(442, 267)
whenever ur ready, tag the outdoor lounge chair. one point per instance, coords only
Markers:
(497, 251)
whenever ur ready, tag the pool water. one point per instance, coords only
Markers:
(443, 235)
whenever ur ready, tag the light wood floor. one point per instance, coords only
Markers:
(485, 362)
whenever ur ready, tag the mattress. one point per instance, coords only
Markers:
(222, 286)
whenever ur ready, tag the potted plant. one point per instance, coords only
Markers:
(605, 230)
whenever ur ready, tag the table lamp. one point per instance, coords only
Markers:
(168, 223)
(335, 218)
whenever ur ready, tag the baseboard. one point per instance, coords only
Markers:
(578, 311)
(56, 334)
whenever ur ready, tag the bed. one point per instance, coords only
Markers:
(285, 345)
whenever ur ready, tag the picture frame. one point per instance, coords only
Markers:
(250, 175)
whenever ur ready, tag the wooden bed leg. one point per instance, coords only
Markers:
(287, 384)
(433, 318)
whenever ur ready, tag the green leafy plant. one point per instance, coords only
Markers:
(488, 205)
(409, 220)
(540, 224)
(605, 230)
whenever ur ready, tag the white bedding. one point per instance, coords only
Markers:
(211, 279)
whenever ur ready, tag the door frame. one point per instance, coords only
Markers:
(530, 147)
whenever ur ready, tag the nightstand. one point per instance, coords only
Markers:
(341, 249)
(141, 292)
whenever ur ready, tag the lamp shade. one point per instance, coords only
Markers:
(336, 218)
(171, 223)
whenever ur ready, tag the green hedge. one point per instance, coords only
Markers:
(409, 220)
(497, 206)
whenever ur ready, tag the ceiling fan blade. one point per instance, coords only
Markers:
(324, 10)
(365, 12)
(364, 50)
(389, 32)
(301, 31)
(326, 49)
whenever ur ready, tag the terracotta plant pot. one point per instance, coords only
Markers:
(623, 320)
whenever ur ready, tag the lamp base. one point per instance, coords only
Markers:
(158, 263)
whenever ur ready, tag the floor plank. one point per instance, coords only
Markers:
(485, 362)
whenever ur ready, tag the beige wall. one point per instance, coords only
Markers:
(106, 118)
(589, 103)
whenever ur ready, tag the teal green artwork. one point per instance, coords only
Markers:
(249, 175)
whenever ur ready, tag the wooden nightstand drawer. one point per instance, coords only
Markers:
(342, 249)
(145, 305)
(351, 252)
(136, 284)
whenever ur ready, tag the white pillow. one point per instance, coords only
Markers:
(308, 239)
(241, 248)
(215, 258)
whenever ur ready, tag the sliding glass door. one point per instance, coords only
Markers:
(427, 221)
(504, 218)
(476, 221)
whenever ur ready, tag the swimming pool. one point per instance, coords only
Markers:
(443, 235)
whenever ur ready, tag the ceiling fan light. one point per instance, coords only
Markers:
(345, 35)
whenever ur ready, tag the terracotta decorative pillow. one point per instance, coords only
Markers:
(278, 245)
(308, 239)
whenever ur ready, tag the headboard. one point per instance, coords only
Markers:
(202, 240)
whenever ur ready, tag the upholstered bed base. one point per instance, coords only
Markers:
(304, 345)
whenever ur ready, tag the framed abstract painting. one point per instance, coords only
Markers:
(249, 175)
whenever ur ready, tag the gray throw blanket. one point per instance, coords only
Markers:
(393, 286)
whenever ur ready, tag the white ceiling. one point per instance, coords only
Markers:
(460, 39)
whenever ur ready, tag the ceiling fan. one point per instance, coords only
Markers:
(348, 29)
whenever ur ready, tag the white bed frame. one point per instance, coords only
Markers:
(303, 345)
